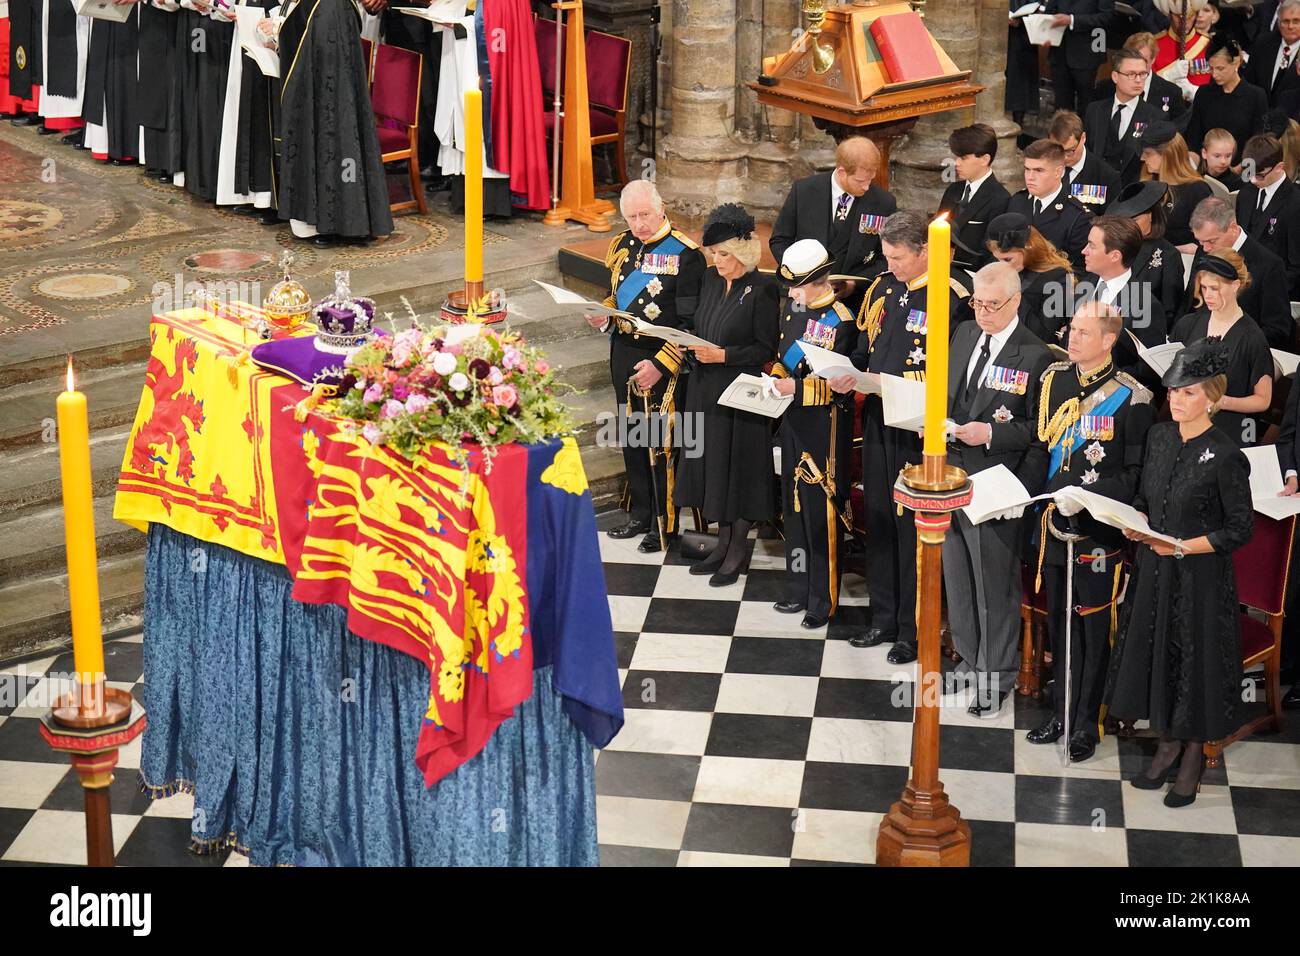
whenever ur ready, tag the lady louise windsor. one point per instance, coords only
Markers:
(1177, 657)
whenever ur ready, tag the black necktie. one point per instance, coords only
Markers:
(965, 195)
(1114, 128)
(1038, 207)
(972, 383)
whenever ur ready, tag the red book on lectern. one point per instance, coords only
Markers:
(906, 48)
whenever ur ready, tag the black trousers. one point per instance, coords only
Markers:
(623, 360)
(812, 531)
(891, 537)
(1073, 87)
(1095, 585)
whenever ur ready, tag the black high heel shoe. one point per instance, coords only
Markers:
(1175, 799)
(1144, 782)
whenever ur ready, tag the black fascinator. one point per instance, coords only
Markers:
(728, 221)
(1197, 362)
(1008, 231)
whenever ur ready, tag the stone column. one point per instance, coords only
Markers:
(991, 74)
(701, 162)
(773, 157)
(917, 176)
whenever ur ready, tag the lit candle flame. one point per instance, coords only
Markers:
(71, 382)
(942, 217)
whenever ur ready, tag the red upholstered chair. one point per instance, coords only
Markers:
(544, 34)
(1262, 568)
(609, 64)
(395, 98)
(368, 53)
(1033, 624)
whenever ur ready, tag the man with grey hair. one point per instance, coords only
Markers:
(892, 339)
(654, 274)
(1214, 224)
(1272, 63)
(994, 367)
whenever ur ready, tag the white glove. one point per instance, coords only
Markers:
(1068, 505)
(769, 386)
(1010, 514)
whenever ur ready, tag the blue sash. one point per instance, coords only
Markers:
(794, 354)
(1073, 439)
(635, 283)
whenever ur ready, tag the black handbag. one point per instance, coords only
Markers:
(695, 545)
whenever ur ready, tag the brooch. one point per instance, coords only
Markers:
(1156, 257)
(1002, 415)
(1090, 476)
(916, 356)
(1094, 453)
(654, 287)
(748, 290)
(1205, 456)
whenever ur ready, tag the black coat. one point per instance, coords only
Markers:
(1063, 221)
(1180, 200)
(1077, 45)
(1240, 112)
(1284, 92)
(1021, 95)
(1265, 299)
(1177, 654)
(1044, 302)
(326, 117)
(1126, 155)
(1276, 228)
(854, 243)
(733, 478)
(970, 222)
(1144, 316)
(1161, 95)
(1160, 264)
(1007, 403)
(1096, 185)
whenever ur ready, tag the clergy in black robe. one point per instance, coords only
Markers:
(1021, 94)
(1176, 660)
(112, 80)
(60, 51)
(159, 86)
(24, 49)
(205, 42)
(331, 180)
(731, 482)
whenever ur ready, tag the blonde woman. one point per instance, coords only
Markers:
(1165, 158)
(1217, 281)
(731, 482)
(1176, 661)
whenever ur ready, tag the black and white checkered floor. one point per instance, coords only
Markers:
(750, 741)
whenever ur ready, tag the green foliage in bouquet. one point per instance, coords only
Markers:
(451, 385)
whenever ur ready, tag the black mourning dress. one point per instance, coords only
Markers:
(1240, 112)
(732, 479)
(1249, 360)
(1179, 203)
(1177, 654)
(1043, 303)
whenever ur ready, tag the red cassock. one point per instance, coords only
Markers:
(518, 125)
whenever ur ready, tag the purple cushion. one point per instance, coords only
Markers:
(300, 359)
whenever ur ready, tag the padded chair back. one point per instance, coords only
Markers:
(1262, 565)
(544, 34)
(396, 93)
(608, 59)
(368, 53)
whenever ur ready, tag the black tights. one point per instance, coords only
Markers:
(729, 553)
(1189, 770)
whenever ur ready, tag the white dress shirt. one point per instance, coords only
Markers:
(997, 341)
(1072, 172)
(974, 184)
(1269, 191)
(1126, 116)
(1108, 290)
(1289, 51)
(836, 193)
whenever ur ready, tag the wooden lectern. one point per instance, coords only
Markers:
(578, 199)
(834, 73)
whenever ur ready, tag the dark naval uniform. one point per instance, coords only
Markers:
(892, 339)
(816, 435)
(1095, 429)
(658, 281)
(1062, 219)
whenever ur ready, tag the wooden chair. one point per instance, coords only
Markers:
(1262, 568)
(368, 53)
(1033, 624)
(609, 64)
(395, 98)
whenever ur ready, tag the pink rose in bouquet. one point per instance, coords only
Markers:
(392, 409)
(374, 393)
(505, 396)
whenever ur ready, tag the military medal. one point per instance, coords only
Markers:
(656, 263)
(916, 321)
(916, 356)
(1006, 379)
(820, 334)
(1094, 453)
(1099, 427)
(902, 299)
(1002, 415)
(1087, 193)
(1090, 476)
(1138, 127)
(870, 225)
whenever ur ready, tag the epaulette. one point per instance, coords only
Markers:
(685, 240)
(1141, 394)
(843, 311)
(1053, 369)
(613, 246)
(955, 286)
